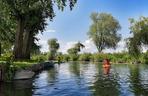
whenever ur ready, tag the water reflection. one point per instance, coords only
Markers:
(74, 68)
(83, 79)
(17, 88)
(106, 83)
(138, 87)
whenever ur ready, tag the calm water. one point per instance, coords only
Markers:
(83, 79)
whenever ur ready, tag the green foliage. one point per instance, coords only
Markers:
(50, 56)
(103, 31)
(85, 57)
(35, 49)
(5, 56)
(30, 18)
(39, 58)
(139, 30)
(120, 58)
(99, 57)
(66, 57)
(146, 58)
(74, 57)
(24, 64)
(123, 57)
(134, 47)
(59, 57)
(77, 48)
(53, 47)
(6, 47)
(73, 52)
(9, 69)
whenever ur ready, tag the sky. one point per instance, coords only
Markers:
(70, 27)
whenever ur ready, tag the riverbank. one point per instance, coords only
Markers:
(16, 71)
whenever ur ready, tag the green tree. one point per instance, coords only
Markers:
(23, 11)
(7, 32)
(77, 48)
(103, 31)
(53, 47)
(73, 52)
(139, 31)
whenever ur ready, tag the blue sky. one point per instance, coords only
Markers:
(72, 26)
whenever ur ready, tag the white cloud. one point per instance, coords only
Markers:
(50, 30)
(44, 45)
(64, 46)
(145, 48)
(120, 47)
(89, 46)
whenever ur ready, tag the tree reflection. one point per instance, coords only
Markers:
(75, 68)
(137, 85)
(52, 74)
(17, 88)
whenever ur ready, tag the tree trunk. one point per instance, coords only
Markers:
(99, 49)
(27, 44)
(18, 45)
(30, 45)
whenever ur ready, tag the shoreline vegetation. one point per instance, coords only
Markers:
(96, 57)
(12, 66)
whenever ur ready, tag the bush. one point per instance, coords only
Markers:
(74, 57)
(120, 57)
(85, 57)
(146, 58)
(66, 57)
(5, 56)
(9, 69)
(99, 57)
(39, 58)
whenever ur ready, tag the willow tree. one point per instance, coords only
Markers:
(139, 31)
(103, 31)
(21, 10)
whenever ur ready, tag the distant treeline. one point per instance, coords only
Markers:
(96, 57)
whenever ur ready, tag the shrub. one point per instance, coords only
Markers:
(74, 57)
(146, 58)
(85, 57)
(66, 57)
(99, 57)
(5, 56)
(39, 58)
(9, 69)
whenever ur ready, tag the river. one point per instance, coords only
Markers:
(83, 79)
